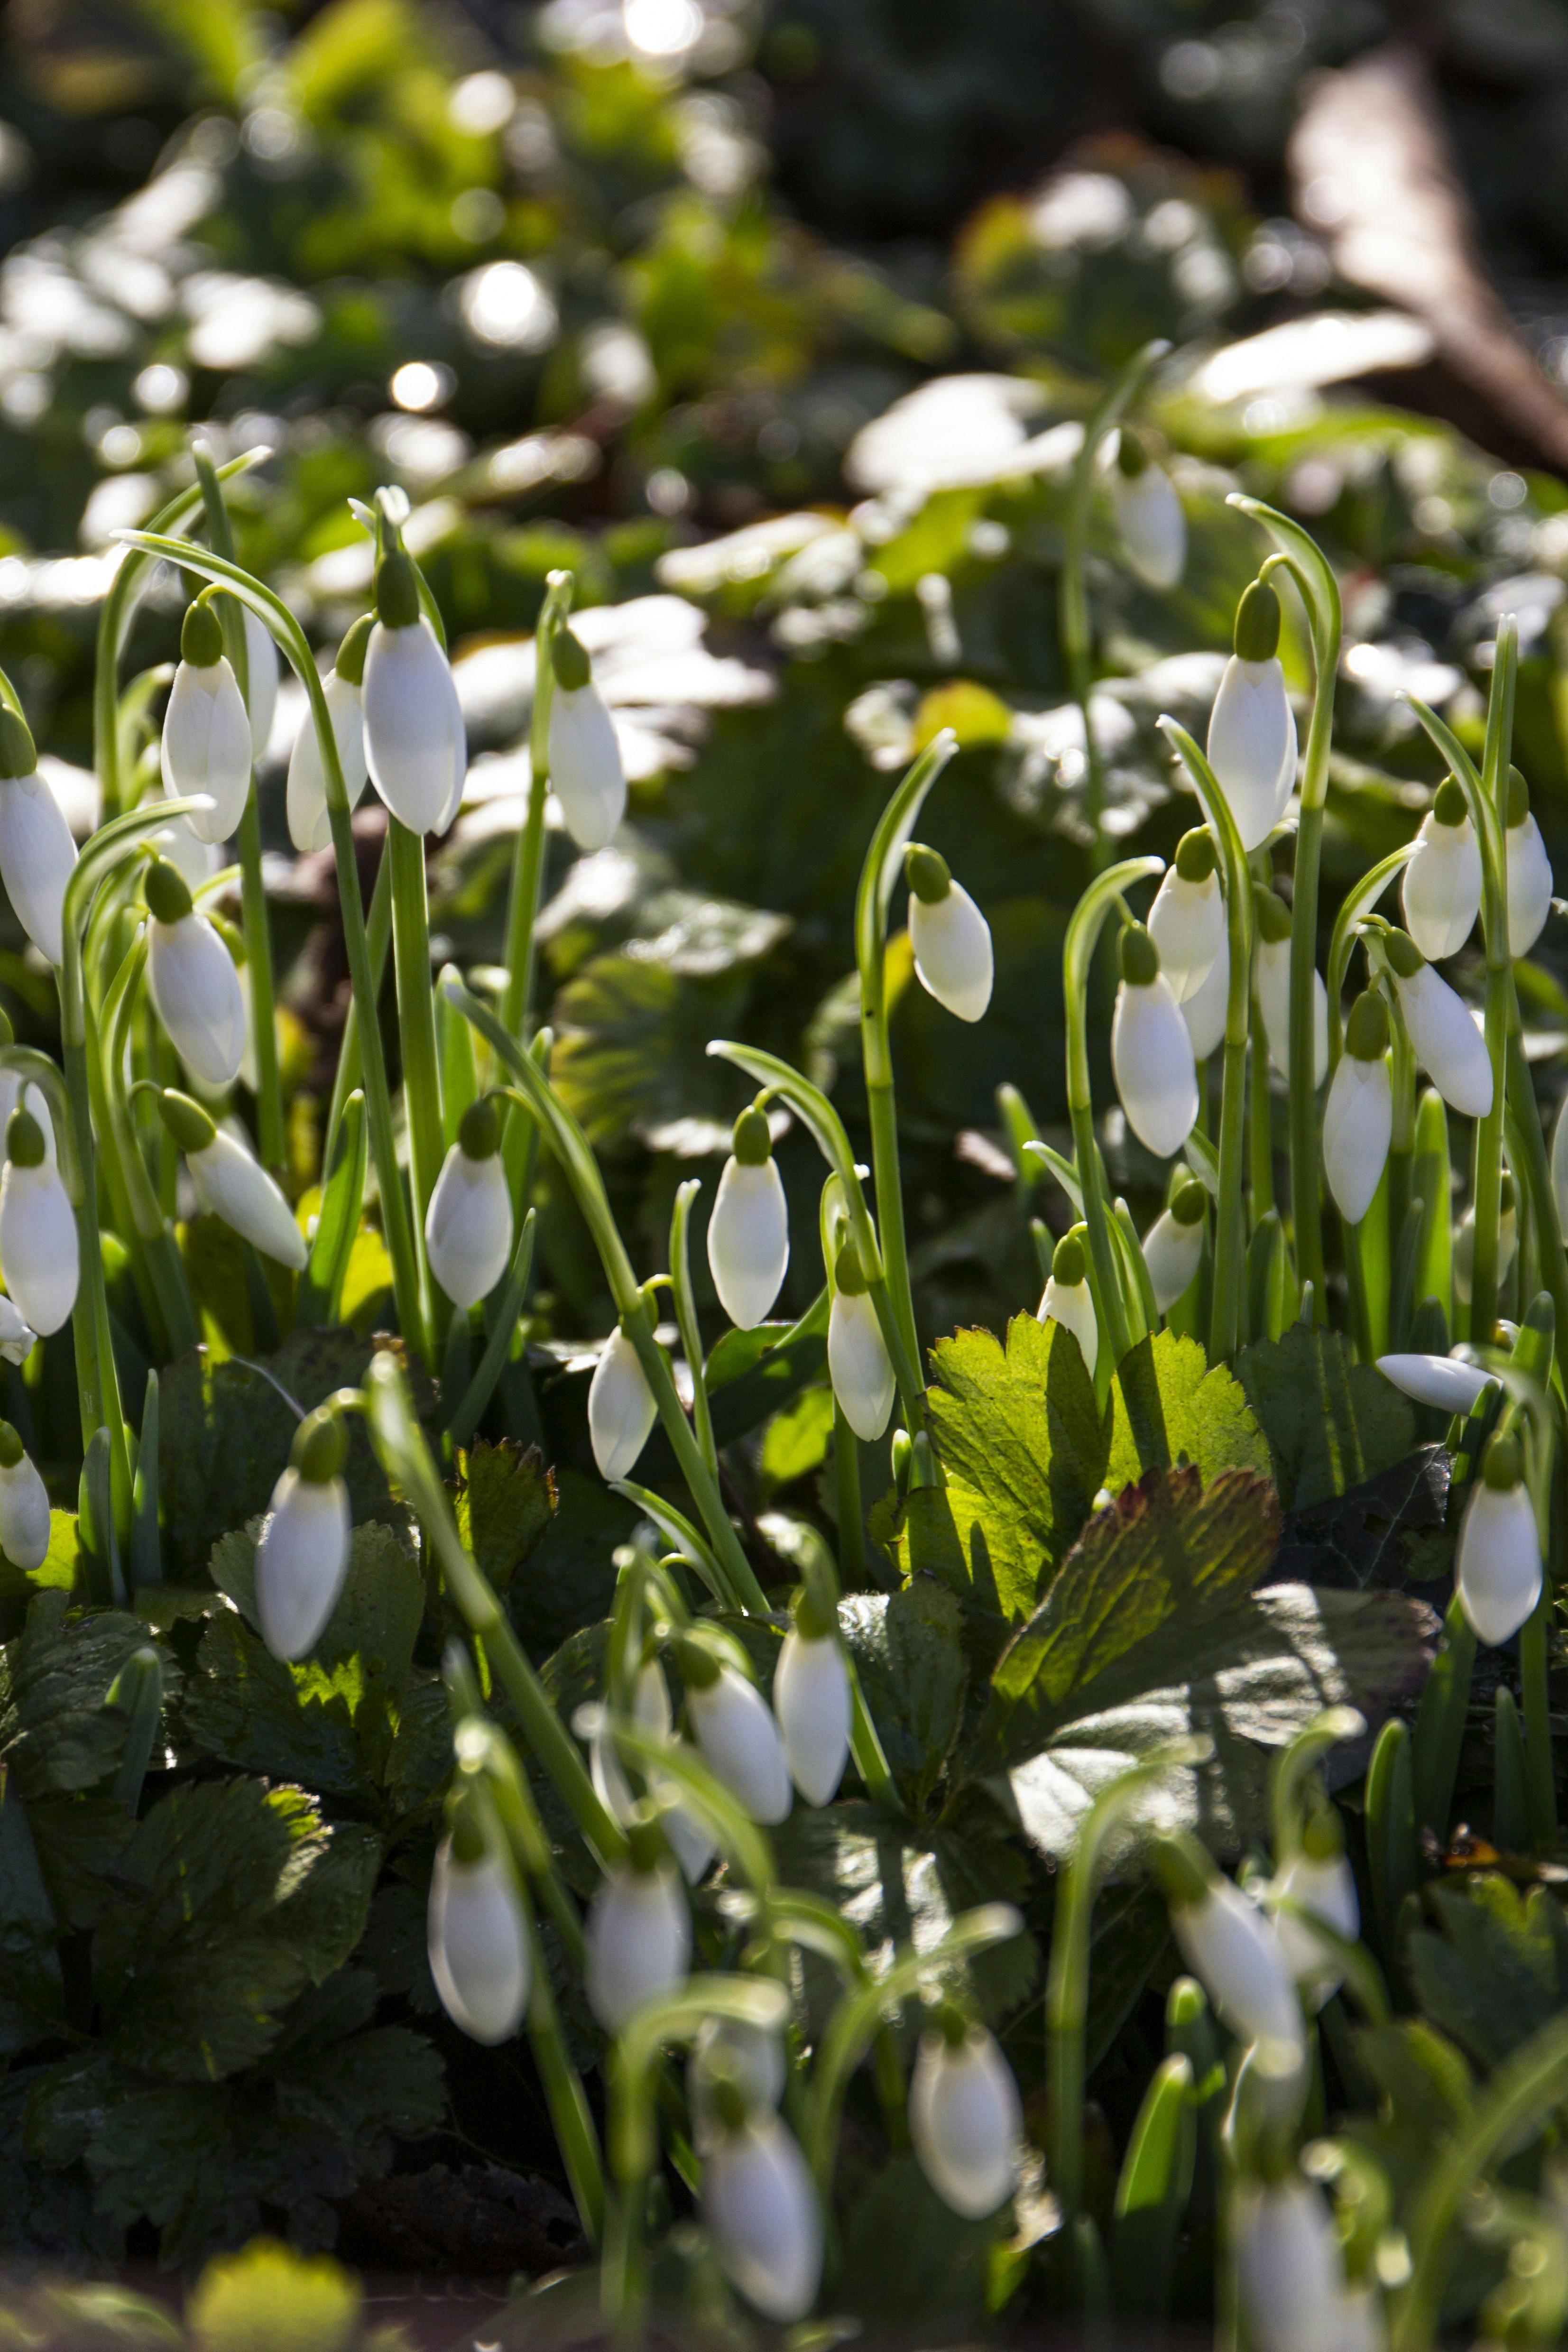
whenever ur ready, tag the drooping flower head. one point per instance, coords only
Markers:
(950, 936)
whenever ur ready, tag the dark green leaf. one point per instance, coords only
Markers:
(908, 1655)
(55, 1730)
(1330, 1423)
(505, 1504)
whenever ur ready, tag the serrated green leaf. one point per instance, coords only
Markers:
(1168, 1406)
(907, 1653)
(569, 1579)
(795, 1441)
(1500, 1967)
(55, 1732)
(505, 1503)
(1330, 1423)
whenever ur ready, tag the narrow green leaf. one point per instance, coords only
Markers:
(322, 1283)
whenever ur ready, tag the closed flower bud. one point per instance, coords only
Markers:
(1358, 1118)
(1230, 1945)
(638, 1932)
(1174, 1245)
(415, 745)
(310, 825)
(584, 755)
(1252, 729)
(748, 1234)
(1150, 522)
(1271, 976)
(1320, 1878)
(1204, 1013)
(760, 2210)
(950, 936)
(231, 1184)
(1444, 1382)
(467, 1225)
(621, 1408)
(1496, 1567)
(206, 731)
(858, 1364)
(194, 986)
(24, 1505)
(476, 1938)
(1067, 1299)
(1443, 1037)
(1465, 1241)
(1529, 878)
(733, 1725)
(812, 1702)
(1187, 921)
(965, 2117)
(302, 1552)
(1441, 892)
(37, 856)
(1290, 2268)
(1151, 1051)
(39, 1252)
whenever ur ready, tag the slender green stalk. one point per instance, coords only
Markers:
(686, 1317)
(846, 1491)
(528, 856)
(351, 1066)
(144, 1221)
(417, 1030)
(1291, 1769)
(1528, 1159)
(1357, 902)
(1440, 1722)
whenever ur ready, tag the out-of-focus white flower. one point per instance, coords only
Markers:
(760, 2207)
(812, 1702)
(1149, 518)
(1290, 2269)
(1231, 1947)
(734, 1727)
(310, 825)
(1204, 1013)
(638, 1932)
(476, 1938)
(1271, 976)
(965, 2117)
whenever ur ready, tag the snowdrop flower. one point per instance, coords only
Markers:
(1271, 977)
(39, 1252)
(1320, 1878)
(18, 1338)
(1443, 1037)
(1149, 518)
(193, 984)
(1441, 891)
(1289, 2266)
(759, 2209)
(1507, 1240)
(37, 856)
(638, 1932)
(1174, 1245)
(1067, 1299)
(1187, 921)
(1230, 1945)
(1496, 1567)
(467, 1225)
(476, 1935)
(310, 825)
(1252, 729)
(24, 1505)
(621, 1408)
(748, 1234)
(11, 1087)
(1444, 1382)
(1529, 878)
(950, 936)
(416, 746)
(206, 731)
(231, 1184)
(302, 1552)
(733, 1725)
(1358, 1118)
(261, 680)
(690, 1842)
(584, 755)
(812, 1702)
(965, 2115)
(858, 1364)
(1204, 1013)
(727, 2051)
(1152, 1050)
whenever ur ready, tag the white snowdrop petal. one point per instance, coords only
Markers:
(477, 1946)
(621, 1408)
(24, 1515)
(1528, 883)
(11, 1094)
(37, 858)
(586, 767)
(965, 2121)
(1290, 2268)
(1172, 1252)
(638, 1939)
(415, 740)
(858, 1364)
(1204, 1010)
(1447, 1043)
(1186, 923)
(261, 680)
(953, 959)
(195, 992)
(1496, 1567)
(1443, 1382)
(205, 746)
(812, 1702)
(733, 1725)
(1151, 1059)
(236, 1188)
(310, 825)
(748, 1241)
(40, 1251)
(760, 2208)
(1271, 972)
(1236, 1954)
(1326, 1887)
(749, 2054)
(1151, 526)
(1252, 746)
(467, 1227)
(1441, 890)
(1071, 1305)
(302, 1559)
(1358, 1124)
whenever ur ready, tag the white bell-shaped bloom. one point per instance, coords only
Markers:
(690, 1843)
(37, 856)
(478, 1944)
(585, 766)
(1463, 1260)
(1187, 921)
(1151, 1051)
(17, 1337)
(415, 745)
(40, 1251)
(1174, 1245)
(261, 680)
(812, 1702)
(1323, 1884)
(1358, 1118)
(1443, 1037)
(639, 1939)
(950, 936)
(1252, 728)
(24, 1505)
(621, 1409)
(1150, 522)
(1234, 1950)
(1271, 977)
(193, 984)
(1441, 891)
(1067, 1299)
(310, 825)
(467, 1225)
(1497, 1566)
(1204, 1013)
(11, 1085)
(763, 2223)
(734, 1727)
(748, 1232)
(858, 1364)
(206, 742)
(965, 2119)
(302, 1551)
(231, 1184)
(1444, 1382)
(1290, 2267)
(1528, 871)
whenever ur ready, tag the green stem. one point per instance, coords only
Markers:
(350, 1061)
(417, 1029)
(686, 1317)
(527, 855)
(144, 1214)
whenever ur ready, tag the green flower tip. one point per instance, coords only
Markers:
(350, 662)
(1186, 2003)
(1140, 957)
(321, 1446)
(478, 1130)
(396, 589)
(1258, 623)
(1068, 1262)
(1273, 918)
(18, 754)
(1366, 1030)
(568, 660)
(697, 1666)
(749, 1139)
(647, 1844)
(24, 1139)
(1183, 1871)
(951, 2022)
(1505, 1198)
(167, 892)
(11, 1448)
(927, 873)
(1518, 799)
(1187, 1208)
(186, 1121)
(201, 636)
(1322, 1834)
(1450, 806)
(465, 1826)
(849, 1274)
(815, 1615)
(1197, 856)
(8, 1035)
(1131, 457)
(1503, 1467)
(1405, 957)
